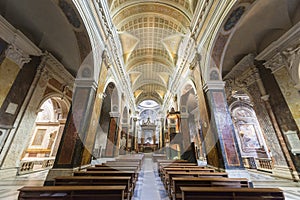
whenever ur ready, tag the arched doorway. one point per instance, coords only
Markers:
(45, 136)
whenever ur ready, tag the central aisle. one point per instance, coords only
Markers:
(149, 185)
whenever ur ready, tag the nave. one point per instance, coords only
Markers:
(149, 185)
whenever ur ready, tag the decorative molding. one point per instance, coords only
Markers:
(17, 39)
(290, 38)
(106, 59)
(57, 70)
(214, 85)
(17, 55)
(241, 66)
(198, 21)
(114, 49)
(276, 62)
(114, 114)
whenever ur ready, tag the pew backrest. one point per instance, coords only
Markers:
(195, 193)
(72, 192)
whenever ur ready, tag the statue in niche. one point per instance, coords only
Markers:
(123, 142)
(51, 139)
(123, 145)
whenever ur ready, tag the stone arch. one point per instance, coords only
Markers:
(249, 135)
(45, 136)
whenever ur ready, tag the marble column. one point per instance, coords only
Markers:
(112, 136)
(161, 133)
(127, 136)
(281, 171)
(134, 136)
(285, 68)
(12, 63)
(62, 123)
(72, 145)
(93, 123)
(185, 131)
(221, 125)
(142, 137)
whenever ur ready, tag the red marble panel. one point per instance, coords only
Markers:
(111, 137)
(79, 105)
(224, 125)
(185, 133)
(69, 141)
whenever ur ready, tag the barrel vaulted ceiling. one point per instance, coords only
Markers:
(150, 33)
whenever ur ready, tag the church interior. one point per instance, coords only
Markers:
(149, 99)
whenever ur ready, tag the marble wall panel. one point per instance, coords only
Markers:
(18, 91)
(225, 129)
(290, 94)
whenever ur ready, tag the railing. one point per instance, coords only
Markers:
(264, 164)
(249, 162)
(28, 166)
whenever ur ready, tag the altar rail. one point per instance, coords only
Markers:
(28, 166)
(263, 164)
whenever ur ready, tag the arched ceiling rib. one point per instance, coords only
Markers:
(150, 33)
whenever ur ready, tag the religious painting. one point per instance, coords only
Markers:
(247, 129)
(248, 136)
(39, 136)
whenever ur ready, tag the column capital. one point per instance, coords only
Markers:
(17, 55)
(114, 114)
(214, 85)
(276, 62)
(84, 83)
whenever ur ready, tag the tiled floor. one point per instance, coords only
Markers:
(9, 186)
(149, 185)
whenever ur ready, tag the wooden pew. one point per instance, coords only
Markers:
(196, 193)
(107, 168)
(162, 169)
(131, 174)
(165, 171)
(178, 182)
(97, 180)
(170, 175)
(129, 160)
(120, 164)
(72, 192)
(162, 165)
(159, 162)
(156, 157)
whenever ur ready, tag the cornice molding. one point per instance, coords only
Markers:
(17, 39)
(214, 85)
(57, 70)
(290, 38)
(276, 62)
(114, 114)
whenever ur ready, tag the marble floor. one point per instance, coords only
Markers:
(149, 185)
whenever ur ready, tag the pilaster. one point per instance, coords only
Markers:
(113, 135)
(222, 127)
(185, 131)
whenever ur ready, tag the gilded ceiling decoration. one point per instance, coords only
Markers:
(150, 33)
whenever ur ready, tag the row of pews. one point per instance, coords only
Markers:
(113, 180)
(187, 181)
